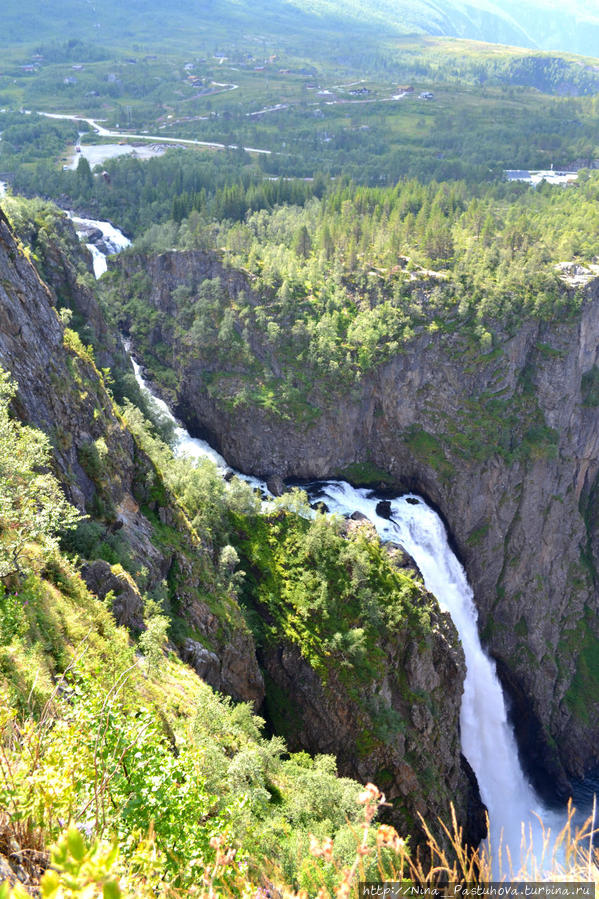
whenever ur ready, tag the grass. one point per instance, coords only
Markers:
(380, 855)
(429, 450)
(365, 474)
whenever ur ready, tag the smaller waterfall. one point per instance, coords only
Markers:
(184, 443)
(114, 240)
(98, 260)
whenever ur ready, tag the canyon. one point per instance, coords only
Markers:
(504, 443)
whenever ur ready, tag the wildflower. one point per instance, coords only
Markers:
(369, 794)
(387, 836)
(228, 857)
(321, 850)
(224, 856)
(343, 890)
(327, 850)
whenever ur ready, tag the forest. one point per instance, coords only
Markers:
(343, 281)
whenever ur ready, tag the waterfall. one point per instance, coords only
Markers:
(113, 239)
(488, 740)
(98, 260)
(183, 444)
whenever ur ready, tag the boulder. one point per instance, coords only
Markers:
(205, 663)
(383, 509)
(276, 485)
(127, 604)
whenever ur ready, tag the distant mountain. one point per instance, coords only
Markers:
(543, 24)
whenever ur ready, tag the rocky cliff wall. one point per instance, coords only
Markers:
(418, 763)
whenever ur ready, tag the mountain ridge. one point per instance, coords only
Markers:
(538, 24)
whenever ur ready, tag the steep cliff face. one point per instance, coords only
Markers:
(106, 474)
(418, 764)
(360, 663)
(65, 266)
(505, 443)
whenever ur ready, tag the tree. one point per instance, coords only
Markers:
(302, 244)
(85, 179)
(32, 504)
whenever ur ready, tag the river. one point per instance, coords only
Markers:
(488, 740)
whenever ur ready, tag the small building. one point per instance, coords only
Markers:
(536, 177)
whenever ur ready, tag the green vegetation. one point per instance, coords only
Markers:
(27, 139)
(330, 590)
(589, 387)
(32, 505)
(378, 218)
(333, 287)
(317, 112)
(428, 448)
(140, 752)
(466, 132)
(157, 763)
(365, 474)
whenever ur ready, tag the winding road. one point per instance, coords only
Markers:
(127, 135)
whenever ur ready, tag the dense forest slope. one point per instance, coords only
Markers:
(500, 433)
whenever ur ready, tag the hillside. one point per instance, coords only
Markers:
(542, 24)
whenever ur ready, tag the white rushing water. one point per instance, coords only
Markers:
(487, 738)
(184, 443)
(114, 240)
(98, 260)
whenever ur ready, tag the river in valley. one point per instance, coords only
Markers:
(488, 740)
